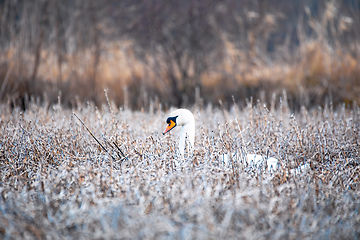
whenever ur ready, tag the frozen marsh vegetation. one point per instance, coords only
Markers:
(58, 183)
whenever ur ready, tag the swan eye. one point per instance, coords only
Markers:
(171, 125)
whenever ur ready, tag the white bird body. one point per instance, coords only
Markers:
(254, 160)
(184, 118)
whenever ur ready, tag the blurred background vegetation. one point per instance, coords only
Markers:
(179, 53)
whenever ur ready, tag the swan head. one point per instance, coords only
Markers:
(179, 117)
(171, 121)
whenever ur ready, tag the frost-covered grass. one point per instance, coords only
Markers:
(58, 183)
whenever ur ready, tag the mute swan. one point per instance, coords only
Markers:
(185, 119)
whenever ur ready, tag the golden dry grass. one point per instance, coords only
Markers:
(242, 49)
(319, 75)
(56, 182)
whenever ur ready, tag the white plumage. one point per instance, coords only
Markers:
(185, 119)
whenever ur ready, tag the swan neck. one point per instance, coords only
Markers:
(187, 134)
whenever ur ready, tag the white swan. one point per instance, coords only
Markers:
(185, 119)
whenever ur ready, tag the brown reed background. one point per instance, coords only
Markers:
(179, 52)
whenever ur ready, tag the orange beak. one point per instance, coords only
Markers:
(170, 126)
